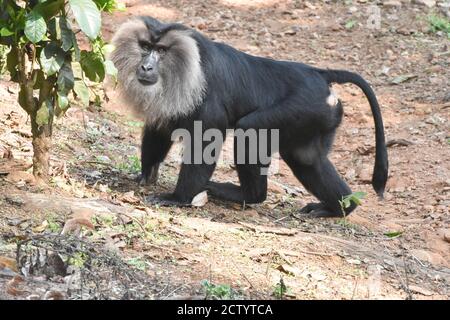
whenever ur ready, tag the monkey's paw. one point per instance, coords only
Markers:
(166, 200)
(318, 210)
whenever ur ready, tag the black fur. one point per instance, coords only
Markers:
(245, 91)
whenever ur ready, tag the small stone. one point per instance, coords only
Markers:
(200, 199)
(392, 4)
(426, 3)
(428, 256)
(420, 290)
(447, 235)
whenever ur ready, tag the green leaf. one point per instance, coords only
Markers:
(350, 24)
(5, 32)
(82, 92)
(87, 16)
(359, 194)
(52, 58)
(43, 115)
(77, 71)
(65, 78)
(35, 27)
(67, 35)
(63, 101)
(393, 234)
(110, 68)
(92, 65)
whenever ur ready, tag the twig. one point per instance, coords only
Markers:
(402, 283)
(242, 274)
(354, 289)
(399, 142)
(316, 253)
(407, 279)
(174, 290)
(96, 162)
(135, 220)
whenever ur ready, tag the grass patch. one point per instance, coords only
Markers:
(439, 23)
(218, 291)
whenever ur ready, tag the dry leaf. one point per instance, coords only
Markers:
(53, 295)
(75, 224)
(8, 263)
(41, 227)
(288, 269)
(274, 230)
(11, 286)
(130, 198)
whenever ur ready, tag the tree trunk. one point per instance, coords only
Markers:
(42, 140)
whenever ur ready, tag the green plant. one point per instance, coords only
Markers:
(218, 291)
(350, 24)
(78, 259)
(280, 289)
(138, 263)
(53, 224)
(3, 55)
(46, 61)
(354, 198)
(133, 165)
(438, 23)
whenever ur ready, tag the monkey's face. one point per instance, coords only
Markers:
(159, 68)
(148, 69)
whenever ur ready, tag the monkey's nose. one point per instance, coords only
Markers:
(147, 68)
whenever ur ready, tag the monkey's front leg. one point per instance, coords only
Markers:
(154, 148)
(192, 180)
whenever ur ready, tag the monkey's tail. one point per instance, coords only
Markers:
(380, 171)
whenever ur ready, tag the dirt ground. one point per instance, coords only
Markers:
(393, 249)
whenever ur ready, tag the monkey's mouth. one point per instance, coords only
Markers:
(148, 81)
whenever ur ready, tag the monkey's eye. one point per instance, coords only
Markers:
(161, 50)
(146, 46)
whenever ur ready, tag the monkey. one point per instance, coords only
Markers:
(174, 76)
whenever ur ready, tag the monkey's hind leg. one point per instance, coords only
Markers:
(322, 180)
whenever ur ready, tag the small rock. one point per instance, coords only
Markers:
(200, 199)
(392, 4)
(428, 256)
(354, 261)
(336, 27)
(15, 200)
(427, 3)
(447, 235)
(420, 290)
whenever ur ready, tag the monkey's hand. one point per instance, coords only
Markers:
(148, 177)
(166, 200)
